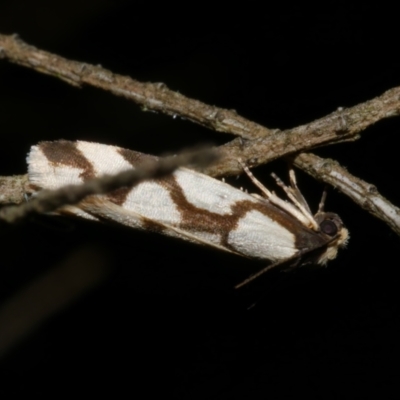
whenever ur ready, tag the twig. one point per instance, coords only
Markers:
(361, 192)
(151, 96)
(340, 126)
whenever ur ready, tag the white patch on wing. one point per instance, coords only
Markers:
(261, 237)
(46, 175)
(105, 159)
(152, 201)
(208, 193)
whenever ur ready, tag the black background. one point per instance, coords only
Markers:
(166, 321)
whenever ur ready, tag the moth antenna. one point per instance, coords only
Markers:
(258, 274)
(253, 277)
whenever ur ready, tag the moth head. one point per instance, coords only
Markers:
(337, 236)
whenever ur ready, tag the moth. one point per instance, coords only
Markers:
(191, 206)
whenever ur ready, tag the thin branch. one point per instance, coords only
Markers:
(151, 96)
(50, 200)
(361, 192)
(340, 126)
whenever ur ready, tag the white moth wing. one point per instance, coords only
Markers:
(186, 204)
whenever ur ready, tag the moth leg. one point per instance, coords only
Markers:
(297, 213)
(296, 190)
(263, 189)
(321, 205)
(297, 198)
(300, 197)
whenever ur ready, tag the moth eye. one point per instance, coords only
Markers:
(329, 227)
